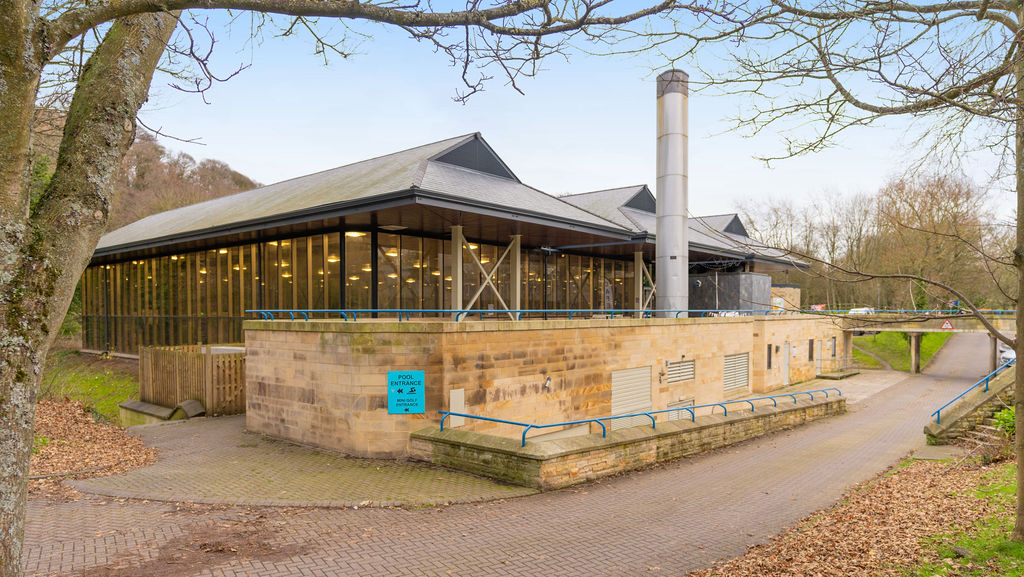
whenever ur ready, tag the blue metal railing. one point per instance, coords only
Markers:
(517, 314)
(985, 381)
(648, 414)
(872, 311)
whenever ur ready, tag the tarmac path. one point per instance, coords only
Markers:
(664, 521)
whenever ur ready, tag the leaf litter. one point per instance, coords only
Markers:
(75, 445)
(877, 529)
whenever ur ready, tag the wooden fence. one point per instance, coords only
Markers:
(211, 374)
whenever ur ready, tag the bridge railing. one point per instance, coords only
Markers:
(984, 381)
(649, 414)
(903, 312)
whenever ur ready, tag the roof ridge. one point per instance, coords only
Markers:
(601, 191)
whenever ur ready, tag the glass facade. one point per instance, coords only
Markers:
(201, 297)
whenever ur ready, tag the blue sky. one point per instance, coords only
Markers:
(586, 124)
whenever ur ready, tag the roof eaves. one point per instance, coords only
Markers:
(387, 200)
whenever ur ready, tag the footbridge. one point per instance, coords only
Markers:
(917, 322)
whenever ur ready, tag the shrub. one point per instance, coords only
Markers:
(1005, 421)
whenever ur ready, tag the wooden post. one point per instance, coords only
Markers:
(516, 276)
(208, 390)
(457, 240)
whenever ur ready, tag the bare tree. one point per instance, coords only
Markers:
(851, 63)
(94, 60)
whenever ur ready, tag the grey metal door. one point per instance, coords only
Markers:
(737, 373)
(631, 393)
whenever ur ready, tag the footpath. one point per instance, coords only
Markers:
(664, 521)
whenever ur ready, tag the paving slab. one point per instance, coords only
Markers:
(664, 521)
(214, 460)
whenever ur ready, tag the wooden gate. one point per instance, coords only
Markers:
(211, 374)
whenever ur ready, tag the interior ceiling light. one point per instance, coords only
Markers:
(485, 260)
(354, 277)
(222, 251)
(392, 275)
(286, 275)
(173, 257)
(447, 278)
(473, 246)
(436, 273)
(410, 280)
(333, 259)
(392, 252)
(393, 227)
(355, 234)
(367, 268)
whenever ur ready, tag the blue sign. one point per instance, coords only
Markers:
(406, 392)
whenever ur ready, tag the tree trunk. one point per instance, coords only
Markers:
(48, 250)
(1018, 262)
(19, 78)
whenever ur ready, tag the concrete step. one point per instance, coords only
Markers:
(984, 437)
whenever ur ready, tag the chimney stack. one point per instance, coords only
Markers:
(672, 250)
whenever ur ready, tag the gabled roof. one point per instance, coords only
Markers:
(730, 223)
(608, 204)
(463, 169)
(461, 175)
(635, 207)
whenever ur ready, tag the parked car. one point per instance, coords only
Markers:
(862, 311)
(1007, 355)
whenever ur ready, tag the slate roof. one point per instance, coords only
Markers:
(721, 233)
(463, 170)
(417, 168)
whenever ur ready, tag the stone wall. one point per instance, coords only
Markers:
(323, 383)
(789, 293)
(972, 409)
(563, 462)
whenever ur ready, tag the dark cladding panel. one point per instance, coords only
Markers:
(474, 155)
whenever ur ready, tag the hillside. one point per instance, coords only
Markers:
(153, 179)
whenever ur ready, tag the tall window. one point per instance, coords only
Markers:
(358, 270)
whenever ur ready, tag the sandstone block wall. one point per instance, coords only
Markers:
(323, 383)
(560, 463)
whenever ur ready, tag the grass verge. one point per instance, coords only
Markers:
(862, 359)
(894, 347)
(982, 550)
(84, 378)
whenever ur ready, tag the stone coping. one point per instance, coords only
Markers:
(369, 325)
(966, 405)
(556, 448)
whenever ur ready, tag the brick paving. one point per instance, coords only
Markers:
(664, 521)
(251, 469)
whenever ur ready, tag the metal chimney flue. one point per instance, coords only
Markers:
(672, 249)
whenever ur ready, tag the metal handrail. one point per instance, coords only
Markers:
(649, 414)
(462, 314)
(937, 414)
